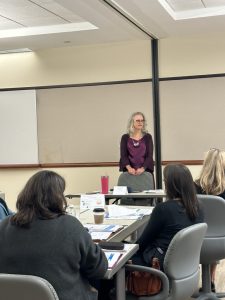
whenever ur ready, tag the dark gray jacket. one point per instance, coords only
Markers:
(59, 250)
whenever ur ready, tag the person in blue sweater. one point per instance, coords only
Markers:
(4, 210)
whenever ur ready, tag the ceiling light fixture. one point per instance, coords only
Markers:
(191, 12)
(21, 50)
(42, 30)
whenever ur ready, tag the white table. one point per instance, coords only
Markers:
(139, 195)
(119, 271)
(130, 226)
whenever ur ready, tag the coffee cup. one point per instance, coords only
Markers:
(99, 214)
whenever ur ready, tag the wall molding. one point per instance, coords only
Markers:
(91, 164)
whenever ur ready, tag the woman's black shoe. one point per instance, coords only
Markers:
(213, 288)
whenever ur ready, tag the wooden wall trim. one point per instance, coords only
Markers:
(91, 164)
(184, 162)
(19, 166)
(79, 165)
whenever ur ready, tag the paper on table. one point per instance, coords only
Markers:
(120, 190)
(144, 211)
(112, 258)
(92, 201)
(116, 211)
(103, 227)
(100, 235)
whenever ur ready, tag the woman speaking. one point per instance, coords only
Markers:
(136, 147)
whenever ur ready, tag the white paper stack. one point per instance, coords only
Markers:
(121, 212)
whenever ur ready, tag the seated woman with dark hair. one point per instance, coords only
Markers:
(179, 211)
(4, 210)
(42, 240)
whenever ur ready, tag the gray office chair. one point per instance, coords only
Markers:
(181, 265)
(139, 183)
(213, 247)
(25, 287)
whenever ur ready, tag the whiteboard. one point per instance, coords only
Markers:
(18, 127)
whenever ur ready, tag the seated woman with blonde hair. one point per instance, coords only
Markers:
(212, 182)
(212, 176)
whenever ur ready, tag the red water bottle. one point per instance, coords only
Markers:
(105, 184)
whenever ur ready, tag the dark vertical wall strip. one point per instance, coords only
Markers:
(156, 112)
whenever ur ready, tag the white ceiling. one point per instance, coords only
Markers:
(40, 24)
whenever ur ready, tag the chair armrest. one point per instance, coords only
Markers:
(164, 293)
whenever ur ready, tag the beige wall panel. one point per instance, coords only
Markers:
(85, 124)
(191, 56)
(78, 180)
(192, 117)
(71, 65)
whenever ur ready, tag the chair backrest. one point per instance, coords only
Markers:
(181, 263)
(25, 287)
(213, 247)
(214, 212)
(140, 183)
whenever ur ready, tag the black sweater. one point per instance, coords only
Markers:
(166, 220)
(59, 250)
(199, 190)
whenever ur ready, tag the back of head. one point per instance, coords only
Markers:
(212, 176)
(42, 197)
(179, 185)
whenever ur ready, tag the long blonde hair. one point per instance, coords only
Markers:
(130, 125)
(212, 176)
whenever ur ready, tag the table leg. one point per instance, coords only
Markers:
(120, 284)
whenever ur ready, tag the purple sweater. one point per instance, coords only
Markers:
(124, 154)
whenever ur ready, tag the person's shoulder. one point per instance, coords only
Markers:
(168, 204)
(5, 222)
(71, 224)
(198, 188)
(147, 136)
(3, 212)
(162, 205)
(125, 136)
(222, 195)
(68, 219)
(65, 221)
